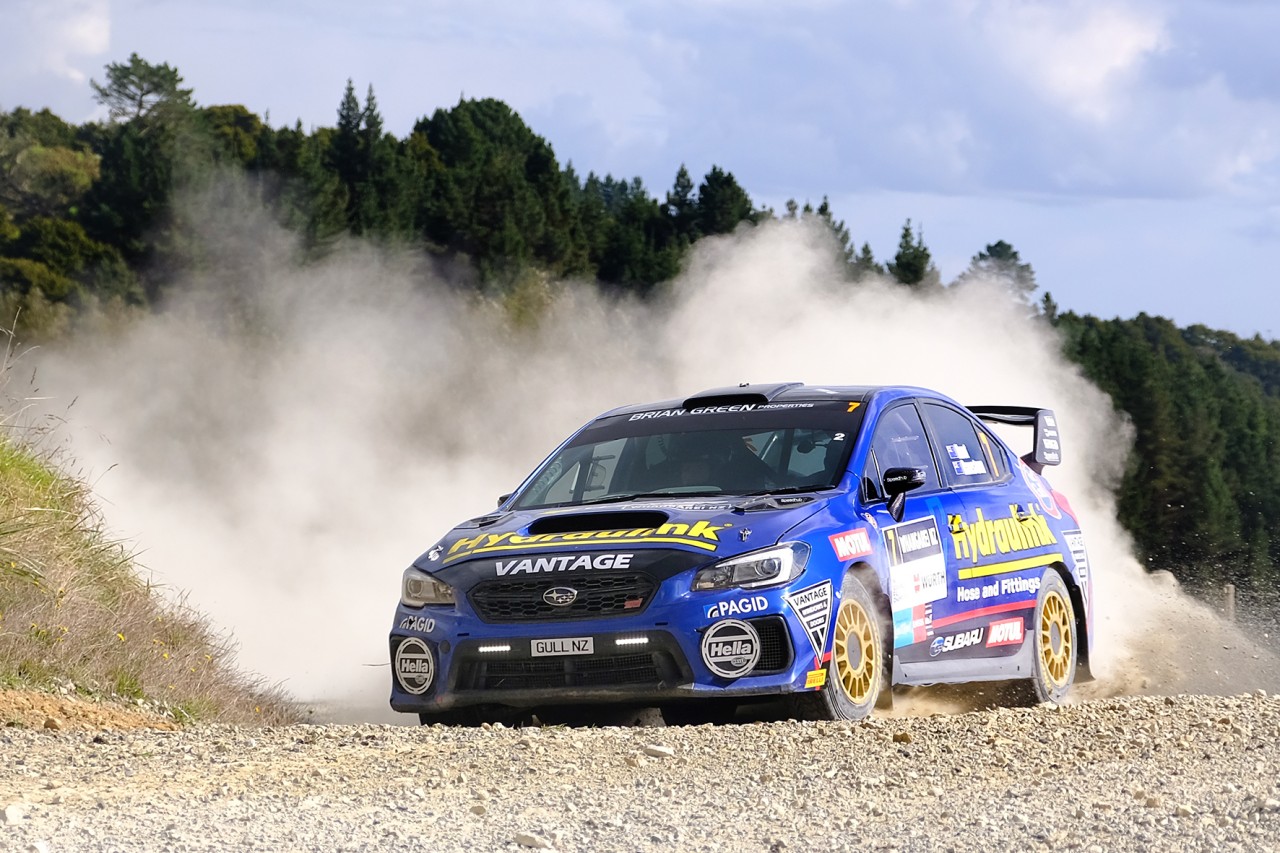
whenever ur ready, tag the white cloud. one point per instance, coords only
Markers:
(55, 36)
(1082, 54)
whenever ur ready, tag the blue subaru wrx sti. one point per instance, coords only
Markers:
(814, 544)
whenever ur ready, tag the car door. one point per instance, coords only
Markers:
(919, 561)
(999, 538)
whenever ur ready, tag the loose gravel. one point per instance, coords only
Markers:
(1143, 773)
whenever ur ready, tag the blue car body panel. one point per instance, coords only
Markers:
(594, 602)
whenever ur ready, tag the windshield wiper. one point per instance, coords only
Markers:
(663, 493)
(790, 490)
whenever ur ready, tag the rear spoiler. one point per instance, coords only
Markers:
(1047, 448)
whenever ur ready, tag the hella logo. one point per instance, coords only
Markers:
(560, 596)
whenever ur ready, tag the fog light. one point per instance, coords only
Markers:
(484, 650)
(631, 641)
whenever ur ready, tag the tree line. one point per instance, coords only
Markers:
(89, 224)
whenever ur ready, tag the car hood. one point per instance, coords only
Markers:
(678, 533)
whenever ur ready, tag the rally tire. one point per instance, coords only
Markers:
(1055, 643)
(858, 672)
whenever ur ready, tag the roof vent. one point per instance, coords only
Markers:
(742, 394)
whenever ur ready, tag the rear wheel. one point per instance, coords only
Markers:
(858, 673)
(1055, 643)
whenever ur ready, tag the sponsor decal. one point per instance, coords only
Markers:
(768, 406)
(986, 451)
(955, 642)
(1018, 586)
(731, 648)
(720, 410)
(913, 626)
(999, 587)
(699, 534)
(737, 607)
(700, 410)
(964, 464)
(917, 567)
(560, 596)
(851, 544)
(562, 646)
(815, 678)
(983, 537)
(414, 666)
(1049, 440)
(421, 624)
(1075, 541)
(1006, 632)
(813, 607)
(562, 563)
(434, 553)
(1040, 489)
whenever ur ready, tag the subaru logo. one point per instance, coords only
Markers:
(560, 596)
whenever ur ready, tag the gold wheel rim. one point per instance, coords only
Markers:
(1056, 640)
(856, 656)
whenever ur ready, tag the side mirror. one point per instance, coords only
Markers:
(504, 498)
(899, 481)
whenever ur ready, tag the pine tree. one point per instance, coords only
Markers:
(682, 206)
(866, 265)
(913, 265)
(999, 262)
(722, 203)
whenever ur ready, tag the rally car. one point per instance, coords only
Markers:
(816, 544)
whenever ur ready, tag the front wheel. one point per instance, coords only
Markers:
(1055, 643)
(858, 674)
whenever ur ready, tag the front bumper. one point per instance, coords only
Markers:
(652, 657)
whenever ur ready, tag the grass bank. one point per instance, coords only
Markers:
(77, 617)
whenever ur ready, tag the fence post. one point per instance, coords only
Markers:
(1229, 601)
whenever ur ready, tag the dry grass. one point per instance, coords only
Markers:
(76, 615)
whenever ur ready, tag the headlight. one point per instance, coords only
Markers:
(771, 566)
(418, 588)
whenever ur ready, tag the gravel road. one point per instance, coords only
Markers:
(1140, 773)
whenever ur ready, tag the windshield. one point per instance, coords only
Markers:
(679, 453)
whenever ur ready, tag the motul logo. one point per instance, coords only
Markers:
(1006, 632)
(851, 544)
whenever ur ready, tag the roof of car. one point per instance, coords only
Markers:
(780, 392)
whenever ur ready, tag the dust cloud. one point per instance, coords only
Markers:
(281, 440)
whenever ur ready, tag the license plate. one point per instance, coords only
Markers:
(563, 646)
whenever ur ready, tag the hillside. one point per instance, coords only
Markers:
(78, 619)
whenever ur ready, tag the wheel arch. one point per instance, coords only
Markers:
(1083, 672)
(870, 580)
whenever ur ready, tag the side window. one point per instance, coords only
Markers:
(899, 442)
(967, 459)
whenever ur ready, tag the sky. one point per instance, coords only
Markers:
(1128, 149)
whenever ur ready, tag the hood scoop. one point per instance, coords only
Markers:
(581, 522)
